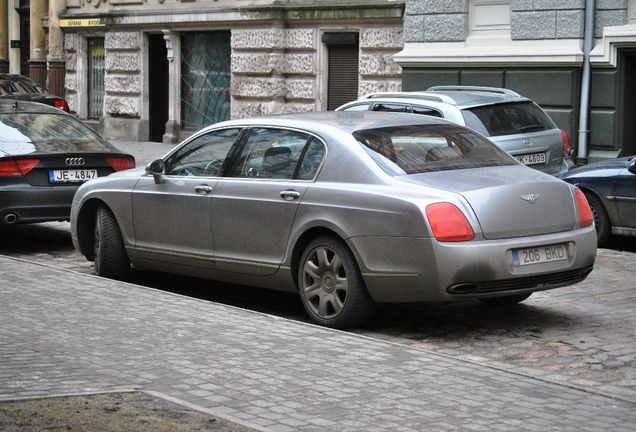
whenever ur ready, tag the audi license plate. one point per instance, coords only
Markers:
(71, 175)
(539, 255)
(531, 159)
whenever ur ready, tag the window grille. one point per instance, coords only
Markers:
(96, 54)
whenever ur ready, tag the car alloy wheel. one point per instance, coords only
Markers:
(331, 286)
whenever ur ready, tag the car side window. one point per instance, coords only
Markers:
(358, 107)
(203, 156)
(426, 111)
(311, 160)
(275, 154)
(390, 107)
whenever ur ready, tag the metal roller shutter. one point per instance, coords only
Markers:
(342, 78)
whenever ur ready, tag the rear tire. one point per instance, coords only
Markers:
(110, 258)
(601, 220)
(331, 286)
(505, 300)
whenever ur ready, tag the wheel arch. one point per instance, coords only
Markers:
(85, 226)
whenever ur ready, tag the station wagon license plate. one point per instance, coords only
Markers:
(72, 176)
(539, 255)
(531, 159)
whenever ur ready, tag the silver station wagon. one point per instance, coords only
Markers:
(513, 122)
(349, 209)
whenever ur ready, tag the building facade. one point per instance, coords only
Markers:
(538, 48)
(161, 69)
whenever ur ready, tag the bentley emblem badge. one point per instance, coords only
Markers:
(531, 198)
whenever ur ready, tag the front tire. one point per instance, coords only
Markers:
(110, 258)
(601, 220)
(331, 286)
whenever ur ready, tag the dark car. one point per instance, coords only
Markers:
(18, 87)
(610, 188)
(45, 155)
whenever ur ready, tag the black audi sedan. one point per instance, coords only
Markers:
(45, 155)
(610, 189)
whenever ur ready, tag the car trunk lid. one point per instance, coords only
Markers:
(509, 202)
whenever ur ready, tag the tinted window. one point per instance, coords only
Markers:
(507, 119)
(426, 111)
(278, 154)
(43, 128)
(204, 155)
(391, 107)
(359, 107)
(419, 149)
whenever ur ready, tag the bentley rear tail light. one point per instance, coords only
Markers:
(448, 223)
(18, 168)
(567, 145)
(120, 164)
(586, 218)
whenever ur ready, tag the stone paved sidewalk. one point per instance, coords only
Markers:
(63, 332)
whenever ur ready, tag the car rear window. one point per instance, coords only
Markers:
(418, 149)
(42, 128)
(507, 119)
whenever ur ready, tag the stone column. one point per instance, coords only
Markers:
(4, 37)
(14, 34)
(37, 56)
(55, 58)
(173, 125)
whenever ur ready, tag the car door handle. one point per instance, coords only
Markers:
(203, 189)
(290, 194)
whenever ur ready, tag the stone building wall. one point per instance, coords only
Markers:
(278, 60)
(282, 70)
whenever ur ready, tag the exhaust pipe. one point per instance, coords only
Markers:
(10, 218)
(463, 288)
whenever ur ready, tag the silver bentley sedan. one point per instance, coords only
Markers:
(349, 209)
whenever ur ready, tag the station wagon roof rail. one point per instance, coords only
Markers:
(496, 90)
(414, 95)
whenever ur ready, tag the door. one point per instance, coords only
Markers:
(254, 209)
(171, 217)
(626, 198)
(158, 83)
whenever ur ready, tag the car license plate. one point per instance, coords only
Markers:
(539, 255)
(71, 176)
(531, 159)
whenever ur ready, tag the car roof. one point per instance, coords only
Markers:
(8, 106)
(462, 97)
(346, 121)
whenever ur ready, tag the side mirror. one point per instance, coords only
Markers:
(631, 167)
(157, 168)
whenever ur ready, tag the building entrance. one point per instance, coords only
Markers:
(158, 82)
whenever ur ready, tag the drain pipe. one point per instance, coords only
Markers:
(584, 118)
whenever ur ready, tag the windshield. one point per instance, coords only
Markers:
(419, 149)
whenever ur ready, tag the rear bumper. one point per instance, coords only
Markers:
(413, 270)
(28, 204)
